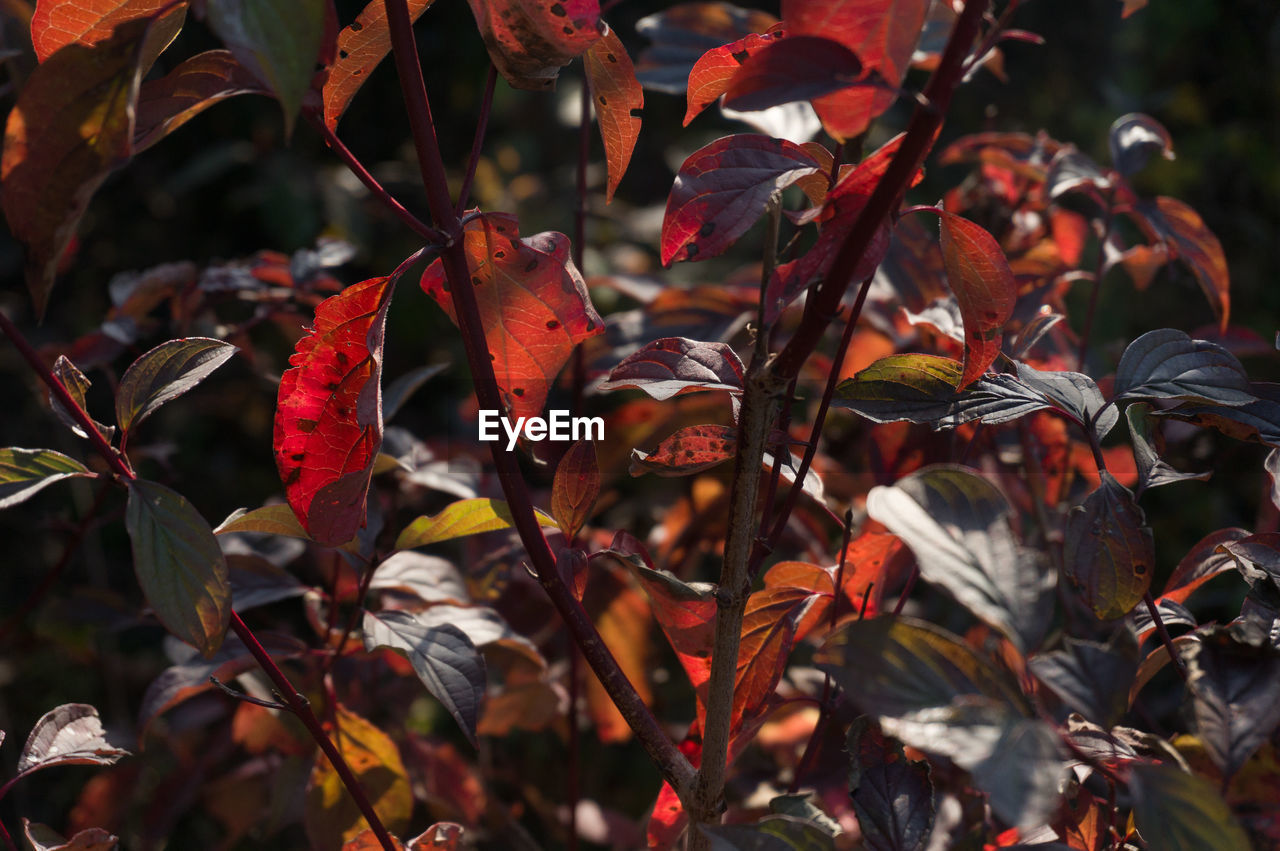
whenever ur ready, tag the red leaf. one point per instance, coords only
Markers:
(165, 104)
(984, 287)
(533, 303)
(686, 613)
(768, 634)
(618, 99)
(576, 487)
(683, 33)
(1190, 241)
(723, 188)
(72, 125)
(713, 72)
(689, 450)
(328, 424)
(361, 46)
(57, 23)
(675, 365)
(530, 41)
(882, 33)
(800, 67)
(622, 616)
(837, 217)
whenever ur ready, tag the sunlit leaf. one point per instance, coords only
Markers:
(1191, 241)
(71, 734)
(957, 524)
(1133, 138)
(71, 127)
(682, 34)
(77, 384)
(686, 612)
(44, 838)
(979, 276)
(530, 42)
(460, 519)
(367, 840)
(892, 795)
(1073, 392)
(441, 836)
(165, 373)
(723, 188)
(1234, 680)
(688, 450)
(711, 75)
(58, 23)
(882, 33)
(618, 99)
(443, 656)
(24, 472)
(328, 423)
(575, 488)
(269, 519)
(533, 304)
(277, 40)
(168, 102)
(674, 365)
(1109, 551)
(430, 578)
(362, 46)
(1167, 364)
(330, 815)
(800, 67)
(768, 632)
(1173, 809)
(179, 565)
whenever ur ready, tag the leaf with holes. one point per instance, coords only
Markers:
(723, 188)
(714, 71)
(71, 127)
(836, 218)
(71, 734)
(460, 519)
(529, 41)
(618, 99)
(1191, 241)
(892, 795)
(800, 67)
(575, 488)
(683, 33)
(1174, 809)
(979, 276)
(675, 365)
(958, 525)
(179, 565)
(1109, 551)
(165, 373)
(533, 305)
(1167, 364)
(882, 33)
(329, 814)
(361, 47)
(328, 424)
(443, 657)
(279, 41)
(687, 451)
(166, 103)
(24, 472)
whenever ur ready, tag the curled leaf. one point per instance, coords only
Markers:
(165, 373)
(1134, 138)
(166, 103)
(71, 734)
(674, 365)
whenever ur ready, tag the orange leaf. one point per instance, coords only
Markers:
(622, 616)
(533, 305)
(361, 46)
(1190, 241)
(576, 486)
(57, 23)
(530, 42)
(441, 836)
(687, 451)
(984, 287)
(713, 72)
(768, 634)
(618, 99)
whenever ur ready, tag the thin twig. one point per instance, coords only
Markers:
(1163, 632)
(477, 144)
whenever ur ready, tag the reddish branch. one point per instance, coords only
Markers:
(673, 765)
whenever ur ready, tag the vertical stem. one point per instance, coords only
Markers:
(1163, 632)
(477, 144)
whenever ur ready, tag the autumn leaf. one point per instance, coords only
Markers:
(768, 634)
(688, 450)
(675, 365)
(57, 23)
(575, 488)
(722, 189)
(329, 814)
(361, 47)
(460, 519)
(72, 126)
(622, 617)
(1191, 241)
(166, 103)
(1109, 551)
(881, 33)
(618, 99)
(533, 305)
(800, 67)
(328, 424)
(530, 42)
(714, 71)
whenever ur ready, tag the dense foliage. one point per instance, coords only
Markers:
(779, 509)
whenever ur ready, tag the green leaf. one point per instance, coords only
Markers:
(957, 524)
(1175, 810)
(1109, 552)
(164, 373)
(278, 40)
(773, 833)
(23, 472)
(1167, 364)
(460, 519)
(179, 565)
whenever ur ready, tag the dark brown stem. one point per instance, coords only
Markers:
(906, 589)
(1163, 632)
(672, 764)
(371, 183)
(353, 617)
(477, 144)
